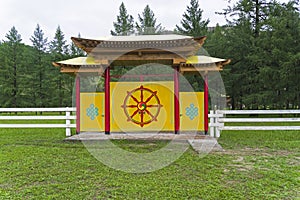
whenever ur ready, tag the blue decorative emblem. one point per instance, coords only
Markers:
(92, 112)
(191, 111)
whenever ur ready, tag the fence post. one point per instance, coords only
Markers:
(218, 124)
(68, 122)
(211, 124)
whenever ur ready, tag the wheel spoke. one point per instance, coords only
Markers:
(153, 106)
(135, 113)
(142, 119)
(149, 113)
(134, 99)
(131, 106)
(142, 95)
(153, 94)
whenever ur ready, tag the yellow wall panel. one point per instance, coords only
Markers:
(192, 111)
(92, 112)
(126, 114)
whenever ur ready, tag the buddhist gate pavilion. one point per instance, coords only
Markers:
(139, 102)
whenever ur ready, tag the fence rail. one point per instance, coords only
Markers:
(67, 117)
(218, 119)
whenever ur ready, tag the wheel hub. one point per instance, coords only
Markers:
(142, 106)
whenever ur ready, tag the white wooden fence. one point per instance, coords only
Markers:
(218, 119)
(67, 117)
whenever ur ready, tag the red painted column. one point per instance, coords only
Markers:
(206, 103)
(107, 100)
(77, 95)
(176, 100)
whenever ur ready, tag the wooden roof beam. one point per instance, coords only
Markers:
(66, 69)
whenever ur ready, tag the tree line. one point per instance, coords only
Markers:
(27, 76)
(261, 38)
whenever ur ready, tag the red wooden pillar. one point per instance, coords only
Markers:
(107, 100)
(77, 95)
(206, 103)
(176, 100)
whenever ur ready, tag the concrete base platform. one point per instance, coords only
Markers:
(135, 136)
(205, 145)
(199, 142)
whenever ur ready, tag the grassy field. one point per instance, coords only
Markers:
(38, 164)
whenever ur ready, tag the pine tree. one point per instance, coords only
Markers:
(58, 46)
(192, 23)
(11, 58)
(124, 24)
(148, 25)
(38, 40)
(59, 49)
(254, 11)
(216, 43)
(282, 53)
(39, 76)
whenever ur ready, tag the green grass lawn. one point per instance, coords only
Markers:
(38, 164)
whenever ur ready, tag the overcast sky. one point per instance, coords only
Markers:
(93, 18)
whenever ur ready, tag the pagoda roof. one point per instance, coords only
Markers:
(115, 51)
(203, 63)
(89, 64)
(178, 44)
(204, 60)
(78, 61)
(81, 64)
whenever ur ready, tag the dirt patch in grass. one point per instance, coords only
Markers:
(255, 151)
(294, 161)
(264, 159)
